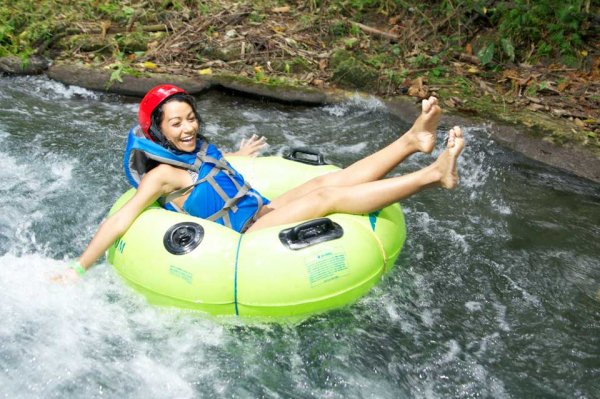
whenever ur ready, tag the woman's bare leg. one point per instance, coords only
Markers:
(367, 197)
(419, 138)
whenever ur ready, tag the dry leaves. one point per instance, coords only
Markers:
(418, 88)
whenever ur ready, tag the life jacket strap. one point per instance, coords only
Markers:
(219, 163)
(237, 185)
(254, 218)
(226, 220)
(230, 202)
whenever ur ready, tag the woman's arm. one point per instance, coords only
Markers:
(117, 224)
(154, 184)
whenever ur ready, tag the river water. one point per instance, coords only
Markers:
(495, 294)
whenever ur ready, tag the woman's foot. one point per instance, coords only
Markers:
(422, 133)
(446, 163)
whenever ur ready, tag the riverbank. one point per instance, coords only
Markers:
(577, 160)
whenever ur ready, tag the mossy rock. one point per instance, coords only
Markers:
(338, 57)
(349, 71)
(134, 41)
(227, 53)
(86, 43)
(295, 65)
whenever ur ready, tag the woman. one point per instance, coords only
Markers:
(169, 120)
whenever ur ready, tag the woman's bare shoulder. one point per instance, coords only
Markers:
(170, 176)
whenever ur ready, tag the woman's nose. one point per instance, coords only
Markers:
(189, 126)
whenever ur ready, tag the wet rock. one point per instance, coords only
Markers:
(94, 79)
(350, 72)
(12, 65)
(293, 95)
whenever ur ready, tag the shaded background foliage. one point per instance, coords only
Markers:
(518, 30)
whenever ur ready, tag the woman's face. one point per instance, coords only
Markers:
(179, 125)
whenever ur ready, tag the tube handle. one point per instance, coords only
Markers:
(310, 233)
(305, 155)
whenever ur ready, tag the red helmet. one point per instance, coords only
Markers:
(151, 100)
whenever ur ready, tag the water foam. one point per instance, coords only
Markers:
(54, 90)
(252, 116)
(114, 341)
(356, 101)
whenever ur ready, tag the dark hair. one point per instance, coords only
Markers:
(158, 115)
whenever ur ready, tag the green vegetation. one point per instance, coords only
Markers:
(550, 27)
(29, 26)
(515, 31)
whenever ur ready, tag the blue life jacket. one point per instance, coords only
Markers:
(219, 194)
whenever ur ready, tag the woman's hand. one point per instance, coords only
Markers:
(67, 276)
(252, 146)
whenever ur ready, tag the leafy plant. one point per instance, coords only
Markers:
(551, 26)
(337, 28)
(397, 78)
(438, 71)
(257, 17)
(486, 54)
(508, 48)
(120, 68)
(259, 74)
(354, 30)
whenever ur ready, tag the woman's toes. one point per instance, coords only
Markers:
(425, 106)
(456, 132)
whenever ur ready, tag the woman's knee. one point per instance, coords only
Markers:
(329, 179)
(320, 181)
(328, 197)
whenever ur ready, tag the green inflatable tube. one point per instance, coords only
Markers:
(284, 271)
